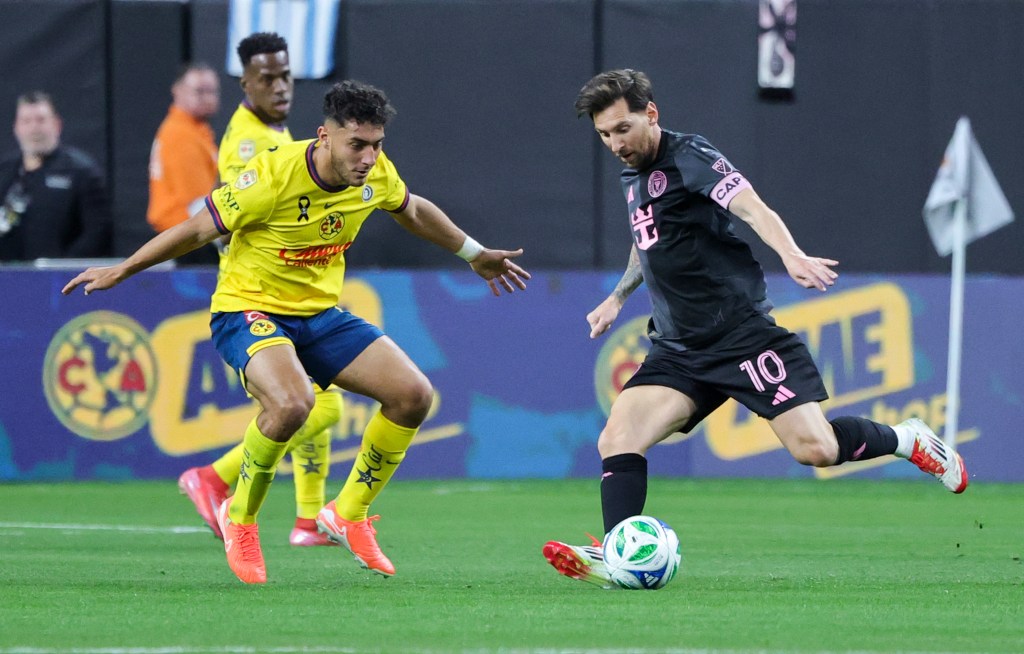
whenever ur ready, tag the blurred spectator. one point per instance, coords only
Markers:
(183, 161)
(55, 202)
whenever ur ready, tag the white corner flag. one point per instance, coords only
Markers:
(964, 204)
(965, 180)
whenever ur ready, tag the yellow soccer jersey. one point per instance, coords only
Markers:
(290, 230)
(245, 137)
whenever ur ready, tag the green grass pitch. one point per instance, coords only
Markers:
(768, 566)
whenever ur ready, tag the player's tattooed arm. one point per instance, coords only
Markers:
(631, 279)
(601, 318)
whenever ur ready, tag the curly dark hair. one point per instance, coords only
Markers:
(352, 100)
(260, 43)
(603, 90)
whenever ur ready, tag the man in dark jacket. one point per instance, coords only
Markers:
(53, 200)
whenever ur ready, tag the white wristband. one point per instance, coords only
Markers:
(470, 250)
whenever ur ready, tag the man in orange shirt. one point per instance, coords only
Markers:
(183, 161)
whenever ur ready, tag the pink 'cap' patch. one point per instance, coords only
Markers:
(728, 188)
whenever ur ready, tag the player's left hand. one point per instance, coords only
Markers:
(812, 272)
(497, 267)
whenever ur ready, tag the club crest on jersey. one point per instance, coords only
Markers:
(657, 183)
(262, 328)
(246, 179)
(367, 193)
(332, 225)
(722, 167)
(247, 150)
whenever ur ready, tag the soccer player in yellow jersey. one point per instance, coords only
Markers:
(292, 215)
(259, 122)
(258, 125)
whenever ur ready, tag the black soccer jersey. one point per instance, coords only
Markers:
(702, 278)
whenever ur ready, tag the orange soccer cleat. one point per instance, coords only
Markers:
(307, 535)
(242, 546)
(358, 537)
(207, 492)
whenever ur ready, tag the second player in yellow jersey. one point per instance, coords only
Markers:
(246, 136)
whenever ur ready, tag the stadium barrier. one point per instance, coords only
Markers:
(127, 384)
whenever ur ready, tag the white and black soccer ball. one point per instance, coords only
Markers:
(642, 553)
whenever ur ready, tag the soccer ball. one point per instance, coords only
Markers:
(641, 553)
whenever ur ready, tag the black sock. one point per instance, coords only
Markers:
(860, 438)
(623, 488)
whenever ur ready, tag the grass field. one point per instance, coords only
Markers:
(768, 566)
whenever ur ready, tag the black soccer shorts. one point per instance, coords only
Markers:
(765, 367)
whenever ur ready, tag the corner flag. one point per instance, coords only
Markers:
(966, 178)
(964, 204)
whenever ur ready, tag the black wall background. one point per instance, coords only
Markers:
(484, 90)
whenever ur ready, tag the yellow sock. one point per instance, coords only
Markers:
(260, 457)
(326, 413)
(228, 465)
(311, 462)
(383, 448)
(310, 448)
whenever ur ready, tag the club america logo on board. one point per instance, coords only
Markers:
(622, 353)
(657, 183)
(100, 376)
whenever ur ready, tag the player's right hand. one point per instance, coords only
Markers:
(95, 279)
(497, 267)
(603, 316)
(812, 272)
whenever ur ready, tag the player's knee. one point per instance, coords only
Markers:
(815, 452)
(414, 400)
(291, 410)
(614, 440)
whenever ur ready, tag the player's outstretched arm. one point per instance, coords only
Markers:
(601, 318)
(424, 219)
(809, 272)
(176, 241)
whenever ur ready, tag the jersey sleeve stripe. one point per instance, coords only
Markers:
(217, 220)
(401, 207)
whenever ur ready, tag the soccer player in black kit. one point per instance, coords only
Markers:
(711, 333)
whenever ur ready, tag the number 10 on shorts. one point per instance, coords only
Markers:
(769, 368)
